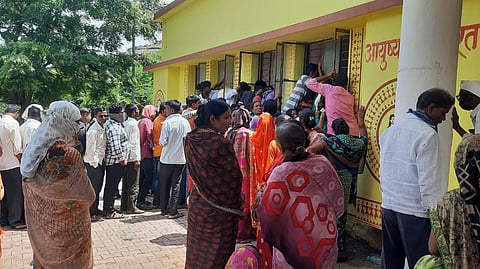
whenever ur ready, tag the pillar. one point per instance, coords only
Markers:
(428, 59)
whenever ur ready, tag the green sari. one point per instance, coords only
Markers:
(455, 219)
(347, 154)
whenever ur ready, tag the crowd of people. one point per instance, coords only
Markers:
(245, 170)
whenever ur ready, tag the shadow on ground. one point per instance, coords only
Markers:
(175, 239)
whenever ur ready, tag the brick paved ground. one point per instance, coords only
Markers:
(142, 241)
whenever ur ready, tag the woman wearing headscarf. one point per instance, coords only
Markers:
(215, 201)
(145, 125)
(239, 135)
(300, 205)
(58, 193)
(455, 236)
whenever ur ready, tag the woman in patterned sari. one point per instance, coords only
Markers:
(300, 205)
(239, 135)
(455, 236)
(58, 193)
(215, 201)
(347, 154)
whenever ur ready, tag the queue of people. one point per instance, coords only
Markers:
(286, 182)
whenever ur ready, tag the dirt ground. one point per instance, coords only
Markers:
(358, 252)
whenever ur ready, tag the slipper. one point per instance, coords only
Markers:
(115, 215)
(176, 216)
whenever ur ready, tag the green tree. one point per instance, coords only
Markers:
(69, 49)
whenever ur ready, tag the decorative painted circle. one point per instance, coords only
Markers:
(159, 96)
(378, 110)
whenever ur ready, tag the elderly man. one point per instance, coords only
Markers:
(410, 179)
(13, 212)
(468, 99)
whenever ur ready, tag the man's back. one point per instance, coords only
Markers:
(409, 167)
(174, 130)
(11, 142)
(27, 129)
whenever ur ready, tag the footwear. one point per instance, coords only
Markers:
(176, 216)
(95, 218)
(163, 213)
(145, 206)
(135, 211)
(115, 215)
(20, 227)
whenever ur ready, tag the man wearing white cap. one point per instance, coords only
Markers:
(468, 99)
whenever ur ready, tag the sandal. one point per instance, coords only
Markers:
(115, 215)
(176, 216)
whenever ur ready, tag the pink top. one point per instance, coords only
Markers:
(339, 103)
(146, 138)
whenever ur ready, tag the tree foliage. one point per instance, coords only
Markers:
(56, 49)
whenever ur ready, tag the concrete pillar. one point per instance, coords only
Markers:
(428, 58)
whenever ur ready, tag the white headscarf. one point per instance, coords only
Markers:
(25, 112)
(58, 123)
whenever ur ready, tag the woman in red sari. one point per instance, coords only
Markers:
(215, 201)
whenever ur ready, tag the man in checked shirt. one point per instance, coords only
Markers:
(115, 158)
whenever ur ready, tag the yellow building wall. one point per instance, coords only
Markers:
(190, 29)
(168, 84)
(378, 81)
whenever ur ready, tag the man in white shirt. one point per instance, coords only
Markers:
(468, 99)
(95, 146)
(132, 171)
(410, 179)
(13, 212)
(172, 160)
(28, 128)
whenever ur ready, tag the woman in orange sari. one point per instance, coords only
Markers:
(259, 143)
(58, 193)
(259, 156)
